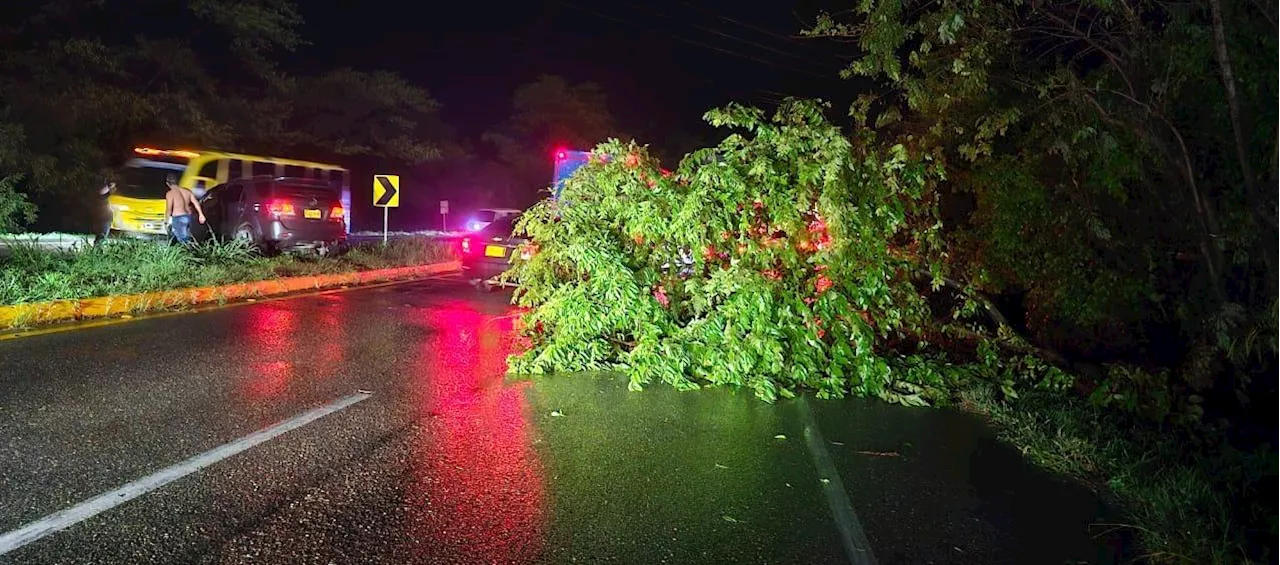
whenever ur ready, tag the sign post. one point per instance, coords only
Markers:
(386, 194)
(444, 215)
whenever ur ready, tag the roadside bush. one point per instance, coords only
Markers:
(33, 274)
(16, 211)
(398, 252)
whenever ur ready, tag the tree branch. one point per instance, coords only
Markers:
(1111, 56)
(1204, 212)
(1266, 13)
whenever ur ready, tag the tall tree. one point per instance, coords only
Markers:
(547, 114)
(80, 89)
(347, 112)
(1098, 167)
(1093, 143)
(83, 80)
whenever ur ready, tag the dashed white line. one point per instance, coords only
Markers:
(68, 517)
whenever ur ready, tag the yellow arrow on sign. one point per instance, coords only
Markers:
(386, 191)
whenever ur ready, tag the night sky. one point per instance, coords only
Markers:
(662, 63)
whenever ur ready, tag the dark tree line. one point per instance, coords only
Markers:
(1106, 175)
(82, 82)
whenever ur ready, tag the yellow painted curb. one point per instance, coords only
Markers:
(38, 313)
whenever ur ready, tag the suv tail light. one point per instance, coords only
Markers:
(279, 208)
(466, 246)
(337, 213)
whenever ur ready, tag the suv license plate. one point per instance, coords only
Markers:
(495, 251)
(311, 214)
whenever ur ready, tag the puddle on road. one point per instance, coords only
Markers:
(718, 476)
(577, 467)
(668, 477)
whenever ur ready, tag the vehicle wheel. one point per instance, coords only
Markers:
(244, 232)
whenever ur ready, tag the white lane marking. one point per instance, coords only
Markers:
(68, 517)
(856, 546)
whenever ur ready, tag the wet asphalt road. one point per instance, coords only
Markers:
(446, 461)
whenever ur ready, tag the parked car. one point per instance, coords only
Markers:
(486, 216)
(487, 253)
(277, 214)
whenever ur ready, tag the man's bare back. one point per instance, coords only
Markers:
(178, 201)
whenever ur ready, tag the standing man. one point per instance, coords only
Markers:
(104, 213)
(178, 203)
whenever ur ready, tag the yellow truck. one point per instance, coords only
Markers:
(137, 206)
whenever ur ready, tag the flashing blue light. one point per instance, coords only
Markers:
(566, 163)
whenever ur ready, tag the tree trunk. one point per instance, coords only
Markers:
(1275, 161)
(1260, 210)
(1233, 101)
(1205, 215)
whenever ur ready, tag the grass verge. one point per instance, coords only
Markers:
(32, 274)
(1203, 503)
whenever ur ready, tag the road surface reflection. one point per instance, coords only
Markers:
(282, 343)
(480, 484)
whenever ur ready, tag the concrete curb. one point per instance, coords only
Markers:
(39, 313)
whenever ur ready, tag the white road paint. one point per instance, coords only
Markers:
(856, 546)
(68, 517)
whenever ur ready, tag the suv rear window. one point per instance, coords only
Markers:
(486, 216)
(502, 226)
(302, 191)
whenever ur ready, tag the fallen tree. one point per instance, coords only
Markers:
(803, 247)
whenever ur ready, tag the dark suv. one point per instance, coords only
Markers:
(277, 213)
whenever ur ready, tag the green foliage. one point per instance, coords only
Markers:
(15, 210)
(34, 274)
(401, 252)
(1093, 145)
(766, 262)
(1098, 171)
(72, 103)
(1011, 373)
(1184, 506)
(348, 112)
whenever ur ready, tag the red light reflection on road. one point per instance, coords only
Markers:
(280, 346)
(329, 335)
(270, 339)
(480, 492)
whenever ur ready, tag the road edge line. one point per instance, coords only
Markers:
(67, 517)
(856, 546)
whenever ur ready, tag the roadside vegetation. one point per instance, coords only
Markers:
(33, 274)
(1050, 214)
